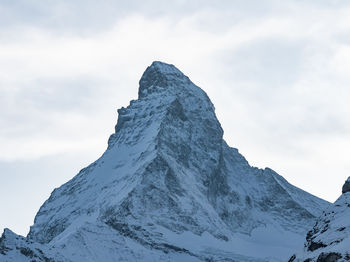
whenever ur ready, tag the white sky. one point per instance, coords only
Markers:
(278, 73)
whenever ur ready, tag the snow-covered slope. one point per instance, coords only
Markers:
(168, 188)
(329, 239)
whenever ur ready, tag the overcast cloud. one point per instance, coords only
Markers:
(276, 71)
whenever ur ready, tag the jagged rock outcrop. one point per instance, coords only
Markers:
(18, 248)
(346, 186)
(169, 188)
(329, 239)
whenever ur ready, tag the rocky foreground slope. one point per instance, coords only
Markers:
(329, 239)
(168, 188)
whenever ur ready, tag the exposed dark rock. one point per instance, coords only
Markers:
(27, 252)
(292, 258)
(346, 186)
(329, 257)
(315, 245)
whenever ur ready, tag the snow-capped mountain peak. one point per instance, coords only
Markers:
(169, 188)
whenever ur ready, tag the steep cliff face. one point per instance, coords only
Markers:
(168, 187)
(329, 239)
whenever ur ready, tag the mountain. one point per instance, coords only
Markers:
(168, 188)
(329, 239)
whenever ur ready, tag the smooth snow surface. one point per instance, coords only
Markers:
(168, 188)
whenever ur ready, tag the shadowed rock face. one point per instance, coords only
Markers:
(346, 186)
(329, 257)
(168, 187)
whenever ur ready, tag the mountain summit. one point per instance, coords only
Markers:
(168, 188)
(160, 75)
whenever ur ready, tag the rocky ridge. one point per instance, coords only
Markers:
(329, 239)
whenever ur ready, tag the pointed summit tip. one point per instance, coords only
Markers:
(164, 68)
(160, 75)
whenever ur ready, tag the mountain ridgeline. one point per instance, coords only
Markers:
(168, 188)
